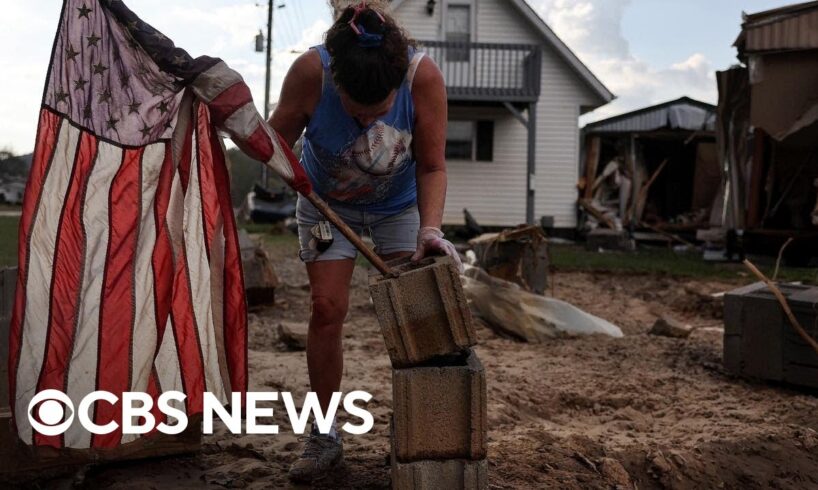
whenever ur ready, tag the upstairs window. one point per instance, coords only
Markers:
(458, 31)
(470, 140)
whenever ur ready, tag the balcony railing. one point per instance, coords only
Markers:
(490, 72)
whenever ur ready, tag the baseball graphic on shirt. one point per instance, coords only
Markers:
(381, 150)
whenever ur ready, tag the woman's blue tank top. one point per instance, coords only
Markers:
(369, 168)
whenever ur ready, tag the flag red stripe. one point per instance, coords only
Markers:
(207, 187)
(117, 304)
(184, 158)
(47, 130)
(235, 306)
(258, 145)
(66, 279)
(162, 260)
(185, 330)
(301, 183)
(186, 333)
(229, 101)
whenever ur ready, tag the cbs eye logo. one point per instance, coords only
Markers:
(50, 418)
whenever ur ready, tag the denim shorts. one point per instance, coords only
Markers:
(391, 233)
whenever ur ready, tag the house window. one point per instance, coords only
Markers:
(470, 140)
(458, 30)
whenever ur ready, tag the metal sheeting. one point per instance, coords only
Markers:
(684, 114)
(789, 28)
(799, 32)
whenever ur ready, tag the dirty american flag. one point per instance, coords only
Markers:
(129, 270)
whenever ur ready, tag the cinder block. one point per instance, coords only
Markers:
(454, 474)
(760, 342)
(440, 410)
(423, 313)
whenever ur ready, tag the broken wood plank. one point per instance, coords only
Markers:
(642, 197)
(597, 214)
(591, 165)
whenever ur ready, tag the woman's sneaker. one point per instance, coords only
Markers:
(322, 454)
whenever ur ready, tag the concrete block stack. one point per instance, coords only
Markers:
(439, 427)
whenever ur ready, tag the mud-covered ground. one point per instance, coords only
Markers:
(637, 412)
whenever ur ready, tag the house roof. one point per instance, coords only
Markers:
(683, 113)
(782, 29)
(560, 47)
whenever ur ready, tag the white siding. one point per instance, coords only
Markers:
(412, 16)
(495, 192)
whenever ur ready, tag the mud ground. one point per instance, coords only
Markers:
(637, 412)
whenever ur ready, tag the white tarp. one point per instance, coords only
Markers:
(531, 317)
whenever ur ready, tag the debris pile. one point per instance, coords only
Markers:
(518, 255)
(260, 280)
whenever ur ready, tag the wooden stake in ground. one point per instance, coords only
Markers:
(787, 310)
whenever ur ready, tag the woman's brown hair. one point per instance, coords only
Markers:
(370, 53)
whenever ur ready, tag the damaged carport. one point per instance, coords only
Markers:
(768, 134)
(655, 168)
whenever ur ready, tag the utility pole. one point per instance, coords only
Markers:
(269, 56)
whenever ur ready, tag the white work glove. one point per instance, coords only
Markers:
(431, 241)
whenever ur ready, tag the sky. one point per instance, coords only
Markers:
(644, 51)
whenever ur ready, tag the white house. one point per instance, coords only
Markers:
(503, 68)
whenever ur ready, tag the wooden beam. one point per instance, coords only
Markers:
(591, 165)
(757, 176)
(604, 220)
(642, 197)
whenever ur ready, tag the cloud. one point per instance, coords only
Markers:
(593, 30)
(213, 27)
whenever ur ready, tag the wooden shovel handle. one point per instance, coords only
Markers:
(353, 237)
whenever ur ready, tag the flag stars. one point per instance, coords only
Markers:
(87, 112)
(99, 68)
(80, 84)
(133, 107)
(131, 26)
(84, 11)
(163, 107)
(158, 36)
(146, 131)
(111, 122)
(179, 60)
(105, 95)
(61, 96)
(70, 53)
(125, 80)
(93, 39)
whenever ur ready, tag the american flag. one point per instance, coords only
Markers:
(129, 268)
